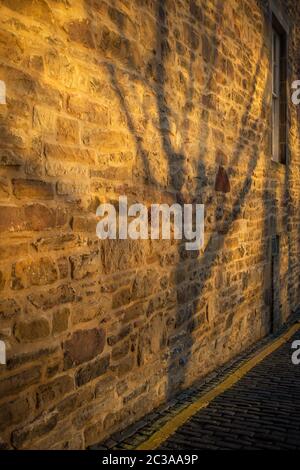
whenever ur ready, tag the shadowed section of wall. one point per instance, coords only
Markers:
(161, 101)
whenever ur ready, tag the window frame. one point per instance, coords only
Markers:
(279, 112)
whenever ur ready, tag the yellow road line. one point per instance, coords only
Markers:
(178, 420)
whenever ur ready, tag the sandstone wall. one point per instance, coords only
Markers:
(144, 98)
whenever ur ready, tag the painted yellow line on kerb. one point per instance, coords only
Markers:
(178, 420)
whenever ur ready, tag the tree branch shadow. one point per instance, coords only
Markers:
(180, 349)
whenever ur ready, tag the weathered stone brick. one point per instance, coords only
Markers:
(17, 109)
(4, 188)
(84, 265)
(81, 31)
(122, 20)
(105, 385)
(34, 430)
(87, 413)
(53, 369)
(108, 141)
(40, 11)
(91, 371)
(133, 312)
(32, 330)
(32, 189)
(16, 383)
(151, 340)
(64, 188)
(87, 110)
(14, 138)
(36, 62)
(13, 249)
(122, 297)
(83, 346)
(113, 173)
(59, 67)
(19, 359)
(74, 401)
(116, 46)
(9, 158)
(196, 11)
(144, 285)
(119, 255)
(63, 267)
(124, 366)
(93, 433)
(9, 308)
(120, 351)
(2, 280)
(56, 242)
(11, 45)
(12, 219)
(58, 168)
(21, 83)
(84, 224)
(14, 412)
(62, 437)
(60, 320)
(40, 217)
(113, 419)
(53, 391)
(44, 120)
(114, 339)
(136, 393)
(71, 154)
(67, 130)
(34, 273)
(55, 296)
(207, 48)
(100, 309)
(34, 167)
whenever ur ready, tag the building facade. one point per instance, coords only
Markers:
(164, 101)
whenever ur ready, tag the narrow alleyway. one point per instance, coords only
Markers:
(261, 410)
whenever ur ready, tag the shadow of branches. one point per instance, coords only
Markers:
(186, 321)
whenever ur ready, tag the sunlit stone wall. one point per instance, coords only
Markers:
(151, 99)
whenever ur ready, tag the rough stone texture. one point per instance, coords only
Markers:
(148, 99)
(31, 331)
(83, 346)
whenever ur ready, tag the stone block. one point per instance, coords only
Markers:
(32, 330)
(83, 346)
(91, 371)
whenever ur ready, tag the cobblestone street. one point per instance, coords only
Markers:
(262, 411)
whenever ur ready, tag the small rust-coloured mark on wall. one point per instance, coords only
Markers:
(222, 183)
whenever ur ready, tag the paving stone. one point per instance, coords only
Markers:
(261, 411)
(273, 423)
